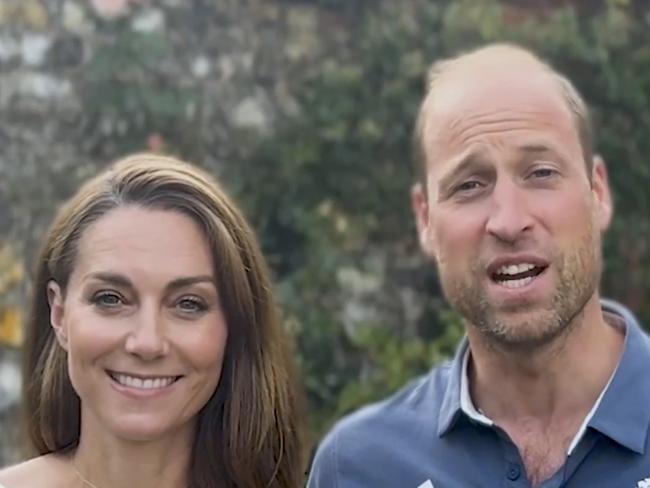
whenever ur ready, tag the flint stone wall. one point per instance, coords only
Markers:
(233, 62)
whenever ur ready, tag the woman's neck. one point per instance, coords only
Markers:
(103, 460)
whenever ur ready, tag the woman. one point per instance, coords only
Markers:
(154, 356)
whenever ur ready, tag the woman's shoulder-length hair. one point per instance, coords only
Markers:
(250, 433)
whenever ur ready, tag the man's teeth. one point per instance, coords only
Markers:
(516, 283)
(146, 384)
(513, 269)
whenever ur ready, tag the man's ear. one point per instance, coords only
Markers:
(601, 191)
(57, 321)
(421, 211)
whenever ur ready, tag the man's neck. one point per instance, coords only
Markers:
(541, 398)
(563, 379)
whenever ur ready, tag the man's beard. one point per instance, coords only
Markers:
(530, 325)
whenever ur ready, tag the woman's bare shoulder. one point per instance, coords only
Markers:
(47, 470)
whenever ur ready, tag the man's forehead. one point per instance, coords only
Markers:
(493, 59)
(470, 99)
(496, 88)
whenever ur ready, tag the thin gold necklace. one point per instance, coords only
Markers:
(81, 477)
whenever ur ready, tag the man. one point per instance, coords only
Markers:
(551, 387)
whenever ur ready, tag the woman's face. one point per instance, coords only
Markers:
(142, 323)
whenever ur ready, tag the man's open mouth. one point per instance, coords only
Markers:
(516, 275)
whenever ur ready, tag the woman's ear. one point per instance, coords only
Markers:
(57, 319)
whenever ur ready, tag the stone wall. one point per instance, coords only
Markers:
(84, 82)
(227, 66)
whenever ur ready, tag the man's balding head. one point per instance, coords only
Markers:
(493, 63)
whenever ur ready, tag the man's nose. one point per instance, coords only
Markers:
(147, 337)
(509, 218)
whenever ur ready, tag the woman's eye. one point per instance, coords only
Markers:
(107, 299)
(191, 305)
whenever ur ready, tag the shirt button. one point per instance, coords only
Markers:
(514, 472)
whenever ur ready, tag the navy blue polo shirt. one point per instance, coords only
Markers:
(429, 435)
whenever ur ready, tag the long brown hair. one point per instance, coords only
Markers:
(250, 433)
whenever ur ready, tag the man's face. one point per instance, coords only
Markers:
(510, 213)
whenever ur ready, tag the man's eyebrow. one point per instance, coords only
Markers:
(544, 150)
(121, 280)
(464, 162)
(536, 147)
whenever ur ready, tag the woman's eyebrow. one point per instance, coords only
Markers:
(189, 280)
(121, 280)
(112, 278)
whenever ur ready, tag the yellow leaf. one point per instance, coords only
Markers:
(29, 13)
(15, 274)
(11, 269)
(10, 330)
(34, 14)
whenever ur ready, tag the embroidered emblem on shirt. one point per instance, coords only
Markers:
(641, 484)
(428, 484)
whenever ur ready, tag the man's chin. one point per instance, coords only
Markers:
(523, 329)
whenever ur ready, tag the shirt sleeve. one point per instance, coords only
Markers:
(323, 472)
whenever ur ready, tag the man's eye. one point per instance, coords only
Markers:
(543, 173)
(191, 305)
(467, 186)
(107, 299)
